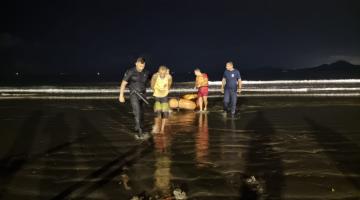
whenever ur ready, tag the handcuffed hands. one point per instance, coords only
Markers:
(121, 99)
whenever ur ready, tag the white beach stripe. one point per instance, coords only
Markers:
(293, 81)
(210, 96)
(177, 90)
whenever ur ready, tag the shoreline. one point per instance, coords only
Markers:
(115, 97)
(306, 88)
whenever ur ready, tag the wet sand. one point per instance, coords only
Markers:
(276, 148)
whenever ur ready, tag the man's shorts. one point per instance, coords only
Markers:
(203, 91)
(161, 107)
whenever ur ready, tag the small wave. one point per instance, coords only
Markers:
(208, 194)
(320, 173)
(114, 97)
(313, 88)
(296, 81)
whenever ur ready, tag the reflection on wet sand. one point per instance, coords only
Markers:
(182, 121)
(162, 142)
(162, 173)
(202, 141)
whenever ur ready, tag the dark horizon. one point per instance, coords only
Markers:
(338, 70)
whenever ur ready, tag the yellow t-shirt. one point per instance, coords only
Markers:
(161, 87)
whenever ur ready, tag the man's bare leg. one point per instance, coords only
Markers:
(163, 123)
(156, 127)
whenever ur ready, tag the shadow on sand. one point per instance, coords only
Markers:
(20, 150)
(262, 162)
(59, 133)
(344, 153)
(107, 172)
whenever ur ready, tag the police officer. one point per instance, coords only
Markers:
(230, 87)
(136, 79)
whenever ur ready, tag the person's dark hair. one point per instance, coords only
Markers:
(163, 67)
(141, 60)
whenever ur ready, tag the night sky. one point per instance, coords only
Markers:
(106, 36)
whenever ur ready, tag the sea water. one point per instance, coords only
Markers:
(339, 88)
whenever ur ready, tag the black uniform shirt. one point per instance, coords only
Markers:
(137, 80)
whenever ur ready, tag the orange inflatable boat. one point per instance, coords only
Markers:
(182, 104)
(190, 96)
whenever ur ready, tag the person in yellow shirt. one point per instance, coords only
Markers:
(161, 83)
(202, 84)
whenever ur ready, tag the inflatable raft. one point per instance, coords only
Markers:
(186, 102)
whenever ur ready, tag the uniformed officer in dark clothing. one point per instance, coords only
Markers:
(136, 78)
(231, 85)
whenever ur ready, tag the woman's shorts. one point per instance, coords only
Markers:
(203, 91)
